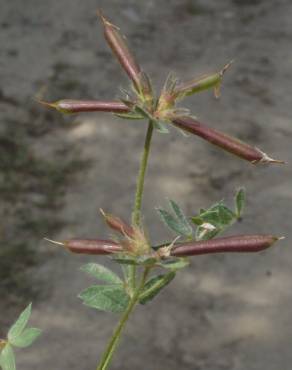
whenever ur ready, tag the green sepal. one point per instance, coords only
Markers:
(132, 116)
(181, 217)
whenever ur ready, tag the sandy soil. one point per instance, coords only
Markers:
(224, 312)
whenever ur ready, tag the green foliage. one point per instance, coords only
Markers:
(213, 221)
(154, 286)
(7, 358)
(17, 328)
(26, 338)
(176, 220)
(175, 264)
(101, 273)
(18, 336)
(112, 298)
(239, 202)
(135, 261)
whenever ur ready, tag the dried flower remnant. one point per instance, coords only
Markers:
(117, 224)
(226, 142)
(239, 243)
(2, 343)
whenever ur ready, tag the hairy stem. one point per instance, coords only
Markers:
(112, 345)
(136, 220)
(136, 216)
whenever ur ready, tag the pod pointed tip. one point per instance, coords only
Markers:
(226, 67)
(100, 15)
(104, 20)
(54, 242)
(102, 212)
(46, 104)
(267, 159)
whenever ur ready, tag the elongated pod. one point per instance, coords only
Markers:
(240, 243)
(226, 142)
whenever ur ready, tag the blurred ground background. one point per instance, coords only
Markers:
(224, 312)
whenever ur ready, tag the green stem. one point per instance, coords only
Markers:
(136, 215)
(112, 345)
(136, 221)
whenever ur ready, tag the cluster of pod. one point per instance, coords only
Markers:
(165, 108)
(239, 243)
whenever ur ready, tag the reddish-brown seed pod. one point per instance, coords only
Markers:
(90, 246)
(78, 106)
(226, 142)
(240, 243)
(117, 224)
(121, 50)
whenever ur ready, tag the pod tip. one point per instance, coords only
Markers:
(47, 104)
(102, 212)
(267, 159)
(227, 66)
(54, 242)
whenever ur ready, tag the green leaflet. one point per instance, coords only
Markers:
(7, 358)
(112, 298)
(136, 261)
(176, 221)
(176, 264)
(18, 327)
(26, 338)
(154, 286)
(239, 202)
(213, 221)
(101, 273)
(181, 216)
